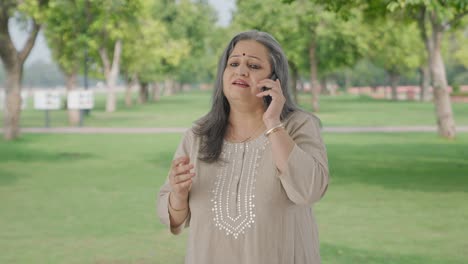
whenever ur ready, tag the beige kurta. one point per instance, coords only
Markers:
(244, 210)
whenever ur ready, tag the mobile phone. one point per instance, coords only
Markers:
(267, 99)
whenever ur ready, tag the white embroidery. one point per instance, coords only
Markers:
(234, 187)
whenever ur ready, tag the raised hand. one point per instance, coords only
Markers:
(271, 117)
(180, 179)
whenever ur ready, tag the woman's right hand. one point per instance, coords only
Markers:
(180, 179)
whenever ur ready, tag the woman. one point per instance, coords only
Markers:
(245, 176)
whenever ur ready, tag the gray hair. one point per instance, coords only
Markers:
(212, 127)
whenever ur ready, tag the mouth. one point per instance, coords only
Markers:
(241, 83)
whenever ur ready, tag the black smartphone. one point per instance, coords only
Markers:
(267, 99)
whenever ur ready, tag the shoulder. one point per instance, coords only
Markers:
(191, 135)
(300, 119)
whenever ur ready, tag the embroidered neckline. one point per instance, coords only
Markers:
(233, 193)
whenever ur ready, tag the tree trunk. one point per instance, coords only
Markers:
(323, 85)
(12, 110)
(129, 91)
(73, 114)
(394, 80)
(111, 72)
(13, 61)
(314, 82)
(169, 87)
(294, 77)
(156, 92)
(177, 87)
(347, 79)
(144, 93)
(424, 82)
(443, 105)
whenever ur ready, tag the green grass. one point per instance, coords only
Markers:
(350, 110)
(182, 109)
(393, 198)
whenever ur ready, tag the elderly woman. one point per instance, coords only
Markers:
(244, 177)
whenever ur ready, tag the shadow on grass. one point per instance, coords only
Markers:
(338, 254)
(407, 166)
(19, 151)
(7, 177)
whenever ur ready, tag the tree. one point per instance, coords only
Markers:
(435, 18)
(109, 24)
(192, 22)
(314, 39)
(150, 47)
(395, 47)
(13, 59)
(281, 21)
(65, 30)
(195, 21)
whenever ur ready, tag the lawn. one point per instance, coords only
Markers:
(393, 198)
(182, 109)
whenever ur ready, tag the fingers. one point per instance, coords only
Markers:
(180, 160)
(270, 84)
(183, 177)
(273, 88)
(181, 165)
(184, 186)
(182, 169)
(180, 174)
(271, 92)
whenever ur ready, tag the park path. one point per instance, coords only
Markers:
(155, 130)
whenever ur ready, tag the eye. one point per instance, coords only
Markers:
(254, 66)
(233, 64)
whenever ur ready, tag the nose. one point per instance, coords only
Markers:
(242, 70)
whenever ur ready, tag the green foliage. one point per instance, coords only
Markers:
(339, 42)
(444, 11)
(65, 31)
(278, 19)
(148, 46)
(365, 73)
(79, 25)
(459, 42)
(192, 23)
(35, 9)
(395, 46)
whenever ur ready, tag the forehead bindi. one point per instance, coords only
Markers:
(250, 49)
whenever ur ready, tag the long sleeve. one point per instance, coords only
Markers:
(184, 149)
(305, 179)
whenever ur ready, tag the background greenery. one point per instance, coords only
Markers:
(182, 109)
(393, 198)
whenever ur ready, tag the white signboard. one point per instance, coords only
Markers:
(47, 100)
(24, 100)
(80, 99)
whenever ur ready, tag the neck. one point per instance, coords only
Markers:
(246, 119)
(245, 125)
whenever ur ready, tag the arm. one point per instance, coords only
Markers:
(300, 157)
(298, 151)
(173, 200)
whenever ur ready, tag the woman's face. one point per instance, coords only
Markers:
(247, 65)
